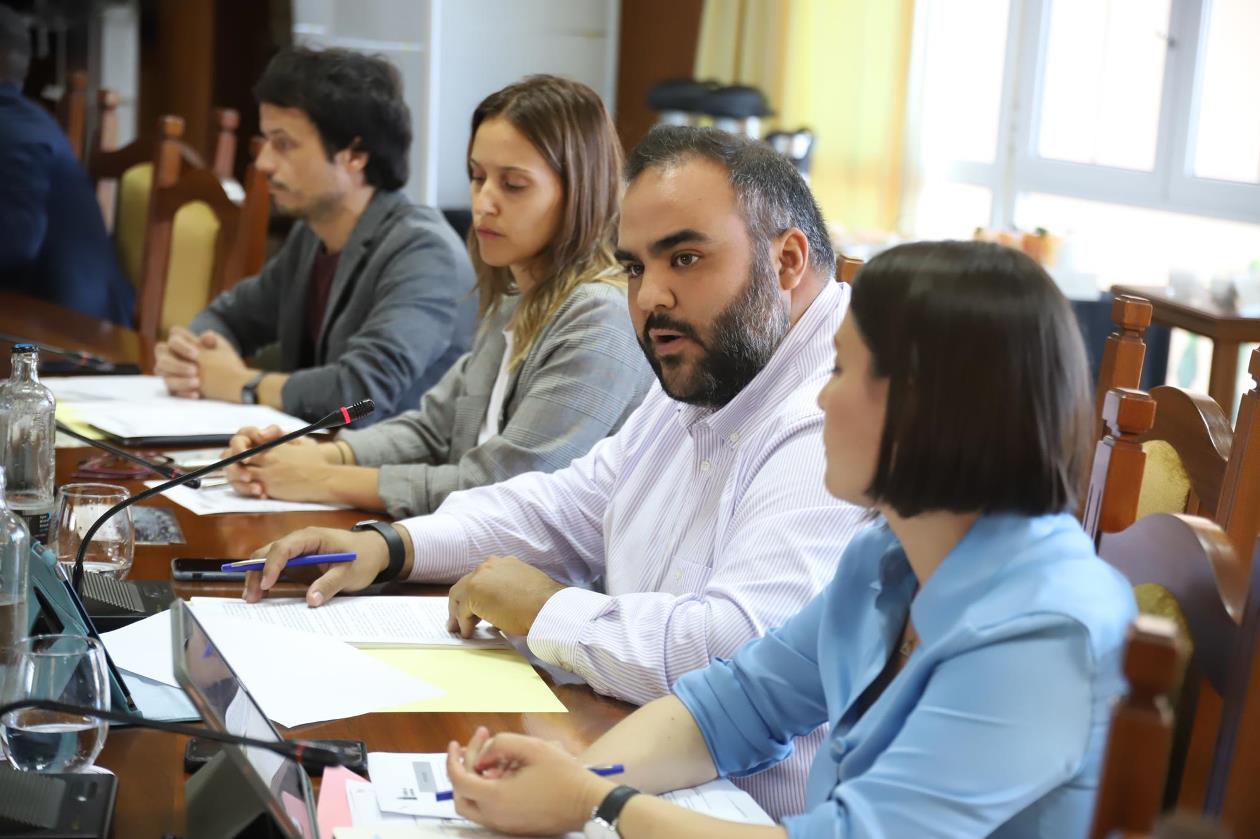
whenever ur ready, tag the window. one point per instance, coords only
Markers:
(1130, 127)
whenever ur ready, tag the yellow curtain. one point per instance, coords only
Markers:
(838, 67)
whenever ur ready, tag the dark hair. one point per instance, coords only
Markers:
(354, 100)
(988, 392)
(567, 123)
(15, 46)
(771, 193)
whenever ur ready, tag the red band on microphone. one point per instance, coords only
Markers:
(345, 415)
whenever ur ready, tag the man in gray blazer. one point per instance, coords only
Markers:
(370, 296)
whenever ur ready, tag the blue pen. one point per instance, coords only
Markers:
(602, 771)
(295, 562)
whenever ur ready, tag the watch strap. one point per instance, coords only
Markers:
(249, 392)
(610, 808)
(397, 551)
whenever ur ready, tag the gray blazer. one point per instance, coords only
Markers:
(401, 310)
(582, 377)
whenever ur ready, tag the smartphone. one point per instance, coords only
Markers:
(188, 570)
(198, 752)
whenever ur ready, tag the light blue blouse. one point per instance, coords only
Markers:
(995, 726)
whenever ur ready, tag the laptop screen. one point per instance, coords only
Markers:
(226, 706)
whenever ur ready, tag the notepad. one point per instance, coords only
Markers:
(473, 681)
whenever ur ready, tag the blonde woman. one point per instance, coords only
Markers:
(555, 365)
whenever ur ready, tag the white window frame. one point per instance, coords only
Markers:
(1170, 186)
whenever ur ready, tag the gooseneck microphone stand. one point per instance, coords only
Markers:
(334, 419)
(157, 468)
(307, 753)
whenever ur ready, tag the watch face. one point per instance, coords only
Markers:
(597, 828)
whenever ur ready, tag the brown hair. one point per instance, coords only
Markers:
(988, 386)
(566, 122)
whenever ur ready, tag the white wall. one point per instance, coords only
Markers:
(120, 65)
(479, 46)
(488, 44)
(398, 29)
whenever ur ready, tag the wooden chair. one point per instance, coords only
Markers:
(255, 215)
(1183, 567)
(124, 178)
(1115, 482)
(192, 221)
(847, 268)
(1124, 351)
(72, 111)
(1239, 509)
(1131, 786)
(1231, 792)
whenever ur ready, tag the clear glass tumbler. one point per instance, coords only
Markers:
(60, 668)
(113, 547)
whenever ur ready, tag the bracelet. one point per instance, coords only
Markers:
(397, 551)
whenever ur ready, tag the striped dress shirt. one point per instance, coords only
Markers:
(682, 536)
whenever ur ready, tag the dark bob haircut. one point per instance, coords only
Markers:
(354, 100)
(772, 195)
(988, 392)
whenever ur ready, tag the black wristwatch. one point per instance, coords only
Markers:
(397, 551)
(603, 823)
(249, 393)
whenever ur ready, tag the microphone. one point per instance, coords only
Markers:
(308, 754)
(157, 468)
(334, 419)
(77, 357)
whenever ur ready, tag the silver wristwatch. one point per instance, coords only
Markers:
(603, 821)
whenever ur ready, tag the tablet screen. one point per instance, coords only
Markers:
(226, 706)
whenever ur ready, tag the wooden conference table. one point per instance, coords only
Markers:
(149, 764)
(1224, 326)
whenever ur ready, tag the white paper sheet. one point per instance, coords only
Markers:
(186, 418)
(404, 785)
(296, 677)
(216, 498)
(363, 621)
(139, 406)
(107, 388)
(408, 784)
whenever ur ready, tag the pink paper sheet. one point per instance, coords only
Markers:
(333, 809)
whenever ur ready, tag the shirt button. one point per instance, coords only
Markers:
(734, 438)
(677, 576)
(705, 466)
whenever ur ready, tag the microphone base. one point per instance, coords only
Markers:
(223, 804)
(113, 604)
(51, 805)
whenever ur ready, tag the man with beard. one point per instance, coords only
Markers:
(703, 522)
(370, 296)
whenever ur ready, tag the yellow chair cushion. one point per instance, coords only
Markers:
(1154, 599)
(192, 264)
(132, 216)
(1165, 482)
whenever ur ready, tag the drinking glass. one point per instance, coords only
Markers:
(61, 668)
(114, 545)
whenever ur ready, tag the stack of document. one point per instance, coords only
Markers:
(296, 677)
(400, 801)
(139, 411)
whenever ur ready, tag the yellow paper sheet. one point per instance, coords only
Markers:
(67, 415)
(474, 680)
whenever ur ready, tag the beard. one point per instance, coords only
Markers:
(741, 341)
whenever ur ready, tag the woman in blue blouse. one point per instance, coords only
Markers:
(968, 649)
